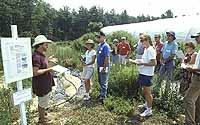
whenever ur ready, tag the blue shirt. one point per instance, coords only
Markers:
(103, 51)
(169, 49)
(140, 48)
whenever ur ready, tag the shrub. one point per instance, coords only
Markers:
(6, 107)
(1, 64)
(66, 56)
(122, 81)
(118, 34)
(79, 45)
(118, 105)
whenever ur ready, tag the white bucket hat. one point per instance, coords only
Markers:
(41, 39)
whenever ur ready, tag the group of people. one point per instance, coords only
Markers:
(120, 50)
(149, 56)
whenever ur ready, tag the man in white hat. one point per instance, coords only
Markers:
(42, 80)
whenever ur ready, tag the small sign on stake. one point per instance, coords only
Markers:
(22, 96)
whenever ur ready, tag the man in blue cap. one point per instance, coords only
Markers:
(103, 65)
(168, 51)
(192, 96)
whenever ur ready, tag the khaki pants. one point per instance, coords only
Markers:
(192, 102)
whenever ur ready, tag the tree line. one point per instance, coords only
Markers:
(35, 17)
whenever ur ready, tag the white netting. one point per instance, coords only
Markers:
(184, 27)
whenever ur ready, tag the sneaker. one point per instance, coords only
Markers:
(86, 98)
(147, 112)
(143, 105)
(101, 101)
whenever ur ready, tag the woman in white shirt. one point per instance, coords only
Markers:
(146, 71)
(88, 66)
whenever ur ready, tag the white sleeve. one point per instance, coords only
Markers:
(93, 53)
(86, 53)
(152, 54)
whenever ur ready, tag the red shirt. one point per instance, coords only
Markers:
(41, 84)
(158, 46)
(124, 48)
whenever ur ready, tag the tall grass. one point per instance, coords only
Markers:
(66, 55)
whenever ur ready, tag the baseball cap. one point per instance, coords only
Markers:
(123, 38)
(100, 33)
(195, 35)
(172, 33)
(115, 40)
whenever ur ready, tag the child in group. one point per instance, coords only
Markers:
(88, 67)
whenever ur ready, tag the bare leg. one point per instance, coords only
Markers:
(148, 96)
(87, 85)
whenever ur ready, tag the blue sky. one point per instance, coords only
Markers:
(135, 7)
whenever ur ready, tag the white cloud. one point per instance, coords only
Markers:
(135, 7)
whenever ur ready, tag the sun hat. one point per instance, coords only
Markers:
(195, 35)
(172, 33)
(89, 41)
(41, 39)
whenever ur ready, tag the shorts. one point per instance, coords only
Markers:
(87, 72)
(44, 101)
(144, 80)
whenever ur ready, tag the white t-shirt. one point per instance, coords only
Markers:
(197, 61)
(149, 54)
(89, 55)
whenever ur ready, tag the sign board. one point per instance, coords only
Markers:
(22, 96)
(17, 59)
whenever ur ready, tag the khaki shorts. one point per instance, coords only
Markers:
(44, 101)
(87, 72)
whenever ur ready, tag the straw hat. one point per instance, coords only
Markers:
(41, 39)
(89, 41)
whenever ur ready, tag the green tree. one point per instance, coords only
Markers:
(167, 14)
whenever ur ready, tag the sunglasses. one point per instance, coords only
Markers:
(142, 40)
(98, 37)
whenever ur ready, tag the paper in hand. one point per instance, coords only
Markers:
(101, 68)
(180, 54)
(60, 69)
(183, 65)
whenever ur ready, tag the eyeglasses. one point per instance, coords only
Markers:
(142, 40)
(169, 35)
